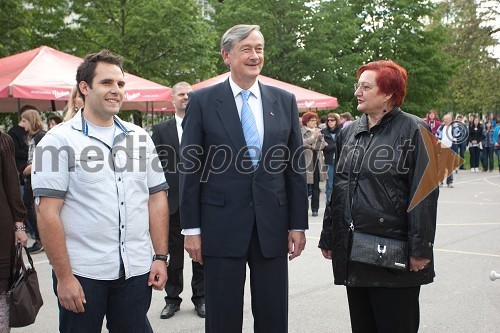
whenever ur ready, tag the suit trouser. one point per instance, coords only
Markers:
(384, 310)
(175, 281)
(225, 284)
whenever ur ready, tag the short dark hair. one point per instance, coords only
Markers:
(27, 107)
(86, 70)
(56, 119)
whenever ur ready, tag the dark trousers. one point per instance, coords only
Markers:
(462, 147)
(474, 156)
(175, 282)
(125, 304)
(225, 284)
(384, 310)
(30, 207)
(315, 185)
(488, 158)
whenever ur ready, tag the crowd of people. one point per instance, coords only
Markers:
(99, 206)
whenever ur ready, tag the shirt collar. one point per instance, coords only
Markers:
(178, 120)
(254, 89)
(79, 123)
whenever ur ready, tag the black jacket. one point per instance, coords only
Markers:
(385, 176)
(330, 139)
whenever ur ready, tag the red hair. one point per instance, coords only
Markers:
(391, 79)
(308, 116)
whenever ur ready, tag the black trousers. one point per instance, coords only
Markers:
(384, 310)
(30, 206)
(315, 184)
(225, 284)
(175, 281)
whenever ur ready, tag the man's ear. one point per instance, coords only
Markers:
(225, 57)
(84, 87)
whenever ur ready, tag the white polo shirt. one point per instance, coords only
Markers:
(105, 190)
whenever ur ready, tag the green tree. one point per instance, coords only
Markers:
(283, 23)
(330, 56)
(163, 40)
(30, 24)
(397, 30)
(473, 87)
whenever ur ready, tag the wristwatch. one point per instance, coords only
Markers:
(162, 257)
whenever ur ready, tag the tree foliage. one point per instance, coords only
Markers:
(472, 88)
(163, 40)
(318, 45)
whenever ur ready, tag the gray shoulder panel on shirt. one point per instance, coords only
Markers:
(162, 187)
(48, 192)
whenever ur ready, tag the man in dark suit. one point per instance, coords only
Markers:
(166, 136)
(243, 188)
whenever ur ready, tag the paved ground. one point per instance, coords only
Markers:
(462, 298)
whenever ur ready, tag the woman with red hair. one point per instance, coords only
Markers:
(432, 120)
(381, 161)
(313, 146)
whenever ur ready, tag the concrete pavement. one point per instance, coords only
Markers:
(462, 298)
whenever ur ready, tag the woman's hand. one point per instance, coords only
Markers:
(327, 253)
(418, 263)
(27, 170)
(20, 235)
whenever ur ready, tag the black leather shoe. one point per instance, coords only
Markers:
(315, 214)
(200, 310)
(169, 310)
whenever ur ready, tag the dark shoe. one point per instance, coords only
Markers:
(169, 310)
(315, 214)
(37, 247)
(450, 185)
(200, 310)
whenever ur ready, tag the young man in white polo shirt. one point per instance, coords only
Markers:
(100, 195)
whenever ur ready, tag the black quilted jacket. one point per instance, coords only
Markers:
(385, 174)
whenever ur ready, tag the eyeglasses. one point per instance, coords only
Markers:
(312, 119)
(332, 119)
(364, 86)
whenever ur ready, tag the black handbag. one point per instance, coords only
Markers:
(379, 251)
(24, 296)
(371, 249)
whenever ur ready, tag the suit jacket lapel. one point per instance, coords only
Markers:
(228, 115)
(271, 116)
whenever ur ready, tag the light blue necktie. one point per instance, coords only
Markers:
(250, 129)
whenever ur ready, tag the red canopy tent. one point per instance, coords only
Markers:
(44, 77)
(306, 99)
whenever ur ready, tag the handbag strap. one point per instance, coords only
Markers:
(19, 266)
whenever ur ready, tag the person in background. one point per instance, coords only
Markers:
(34, 126)
(54, 121)
(254, 211)
(20, 138)
(462, 143)
(372, 198)
(322, 122)
(330, 136)
(167, 136)
(492, 119)
(446, 133)
(75, 103)
(488, 144)
(432, 121)
(103, 209)
(496, 141)
(313, 153)
(345, 119)
(476, 135)
(12, 229)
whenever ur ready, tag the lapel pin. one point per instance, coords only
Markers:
(272, 114)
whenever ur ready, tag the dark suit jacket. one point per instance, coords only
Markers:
(166, 141)
(221, 193)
